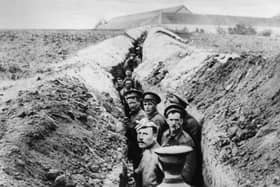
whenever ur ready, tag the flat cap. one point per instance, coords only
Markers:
(145, 123)
(174, 108)
(175, 99)
(134, 91)
(173, 154)
(152, 96)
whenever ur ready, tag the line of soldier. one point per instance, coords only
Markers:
(147, 129)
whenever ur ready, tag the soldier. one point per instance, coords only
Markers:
(190, 125)
(128, 85)
(175, 135)
(150, 102)
(136, 84)
(118, 83)
(148, 168)
(172, 159)
(133, 100)
(193, 128)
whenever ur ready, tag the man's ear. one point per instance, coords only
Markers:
(181, 121)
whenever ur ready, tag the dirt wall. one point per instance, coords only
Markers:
(238, 95)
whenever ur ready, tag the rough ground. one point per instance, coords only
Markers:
(238, 95)
(25, 52)
(59, 135)
(258, 45)
(63, 127)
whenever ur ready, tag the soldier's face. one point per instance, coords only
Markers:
(149, 107)
(175, 122)
(132, 101)
(128, 73)
(119, 81)
(145, 137)
(128, 84)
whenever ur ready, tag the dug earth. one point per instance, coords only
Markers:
(62, 127)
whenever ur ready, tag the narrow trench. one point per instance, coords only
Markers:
(131, 61)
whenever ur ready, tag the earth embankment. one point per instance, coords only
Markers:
(62, 126)
(57, 127)
(236, 95)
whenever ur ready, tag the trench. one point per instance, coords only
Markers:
(131, 61)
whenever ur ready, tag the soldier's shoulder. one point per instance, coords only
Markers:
(165, 133)
(141, 114)
(186, 138)
(158, 117)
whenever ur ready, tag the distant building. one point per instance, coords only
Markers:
(180, 17)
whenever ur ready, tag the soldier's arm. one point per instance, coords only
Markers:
(190, 167)
(195, 130)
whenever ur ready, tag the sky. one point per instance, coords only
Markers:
(84, 14)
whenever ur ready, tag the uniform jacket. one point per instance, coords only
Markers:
(149, 168)
(160, 121)
(133, 150)
(183, 138)
(193, 128)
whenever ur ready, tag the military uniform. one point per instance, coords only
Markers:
(160, 121)
(183, 138)
(172, 160)
(156, 117)
(193, 128)
(149, 169)
(133, 150)
(191, 125)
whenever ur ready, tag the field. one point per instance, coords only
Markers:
(26, 52)
(260, 45)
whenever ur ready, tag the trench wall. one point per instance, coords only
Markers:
(227, 93)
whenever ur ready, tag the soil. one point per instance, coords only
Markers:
(25, 52)
(60, 135)
(238, 95)
(258, 45)
(241, 98)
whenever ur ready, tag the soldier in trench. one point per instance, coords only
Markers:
(193, 128)
(150, 102)
(175, 135)
(135, 83)
(149, 168)
(128, 85)
(133, 99)
(190, 125)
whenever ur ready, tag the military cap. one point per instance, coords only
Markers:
(127, 79)
(175, 99)
(134, 91)
(174, 108)
(145, 123)
(175, 154)
(151, 96)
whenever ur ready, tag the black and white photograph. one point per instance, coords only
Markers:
(139, 93)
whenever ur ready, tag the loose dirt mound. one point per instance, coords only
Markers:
(241, 99)
(59, 134)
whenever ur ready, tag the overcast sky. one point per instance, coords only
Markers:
(79, 14)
